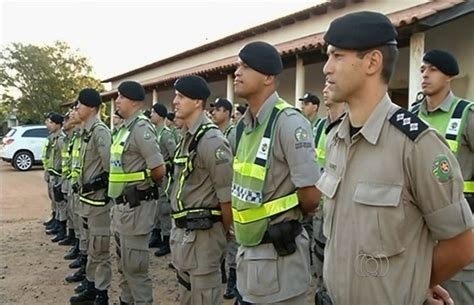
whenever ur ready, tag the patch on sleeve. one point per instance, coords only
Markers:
(442, 168)
(147, 135)
(220, 153)
(301, 135)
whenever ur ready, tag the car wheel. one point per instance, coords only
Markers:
(23, 161)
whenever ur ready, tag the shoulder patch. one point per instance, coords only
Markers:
(408, 123)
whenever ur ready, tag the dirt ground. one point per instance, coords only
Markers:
(32, 268)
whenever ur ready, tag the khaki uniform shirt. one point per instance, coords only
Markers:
(231, 137)
(141, 151)
(167, 143)
(465, 158)
(58, 140)
(292, 166)
(208, 185)
(387, 200)
(95, 156)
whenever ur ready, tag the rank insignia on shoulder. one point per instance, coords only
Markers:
(408, 123)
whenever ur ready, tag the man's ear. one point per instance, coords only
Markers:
(374, 62)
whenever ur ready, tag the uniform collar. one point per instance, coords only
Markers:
(201, 119)
(372, 128)
(444, 106)
(159, 128)
(90, 122)
(128, 122)
(263, 113)
(226, 126)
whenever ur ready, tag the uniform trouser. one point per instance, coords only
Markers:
(133, 263)
(61, 210)
(301, 299)
(99, 269)
(50, 192)
(202, 289)
(164, 215)
(83, 234)
(232, 247)
(319, 242)
(156, 219)
(461, 287)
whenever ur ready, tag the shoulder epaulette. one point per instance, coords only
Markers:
(333, 124)
(408, 123)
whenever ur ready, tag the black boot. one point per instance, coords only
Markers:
(81, 260)
(155, 239)
(231, 281)
(73, 252)
(70, 239)
(53, 228)
(87, 297)
(81, 287)
(61, 232)
(50, 221)
(77, 276)
(102, 298)
(164, 248)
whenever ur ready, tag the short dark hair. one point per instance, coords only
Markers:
(390, 57)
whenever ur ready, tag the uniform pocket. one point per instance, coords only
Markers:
(261, 269)
(183, 250)
(380, 231)
(328, 184)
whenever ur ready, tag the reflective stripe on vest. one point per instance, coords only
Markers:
(117, 177)
(75, 157)
(45, 154)
(66, 159)
(228, 130)
(187, 160)
(320, 142)
(252, 215)
(451, 124)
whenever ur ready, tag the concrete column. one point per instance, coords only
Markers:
(230, 88)
(112, 110)
(154, 99)
(417, 48)
(299, 80)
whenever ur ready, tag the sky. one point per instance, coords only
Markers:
(120, 35)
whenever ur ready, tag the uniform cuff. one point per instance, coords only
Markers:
(449, 221)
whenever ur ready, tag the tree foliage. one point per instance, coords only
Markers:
(38, 79)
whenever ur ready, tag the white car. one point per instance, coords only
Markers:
(22, 146)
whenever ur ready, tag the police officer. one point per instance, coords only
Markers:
(221, 116)
(167, 143)
(54, 124)
(94, 204)
(273, 185)
(310, 107)
(395, 216)
(117, 121)
(45, 160)
(200, 199)
(136, 165)
(238, 113)
(171, 124)
(452, 117)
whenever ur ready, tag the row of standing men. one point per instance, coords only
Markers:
(381, 225)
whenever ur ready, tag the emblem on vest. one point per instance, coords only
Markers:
(263, 148)
(453, 126)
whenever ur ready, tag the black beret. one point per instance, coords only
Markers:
(56, 118)
(222, 102)
(443, 60)
(361, 31)
(89, 97)
(170, 116)
(262, 57)
(132, 90)
(193, 86)
(241, 109)
(310, 98)
(147, 113)
(160, 110)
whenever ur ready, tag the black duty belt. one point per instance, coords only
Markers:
(296, 230)
(143, 195)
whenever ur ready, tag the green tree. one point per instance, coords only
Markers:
(38, 79)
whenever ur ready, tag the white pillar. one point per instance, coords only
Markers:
(112, 110)
(154, 99)
(299, 80)
(417, 48)
(230, 88)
